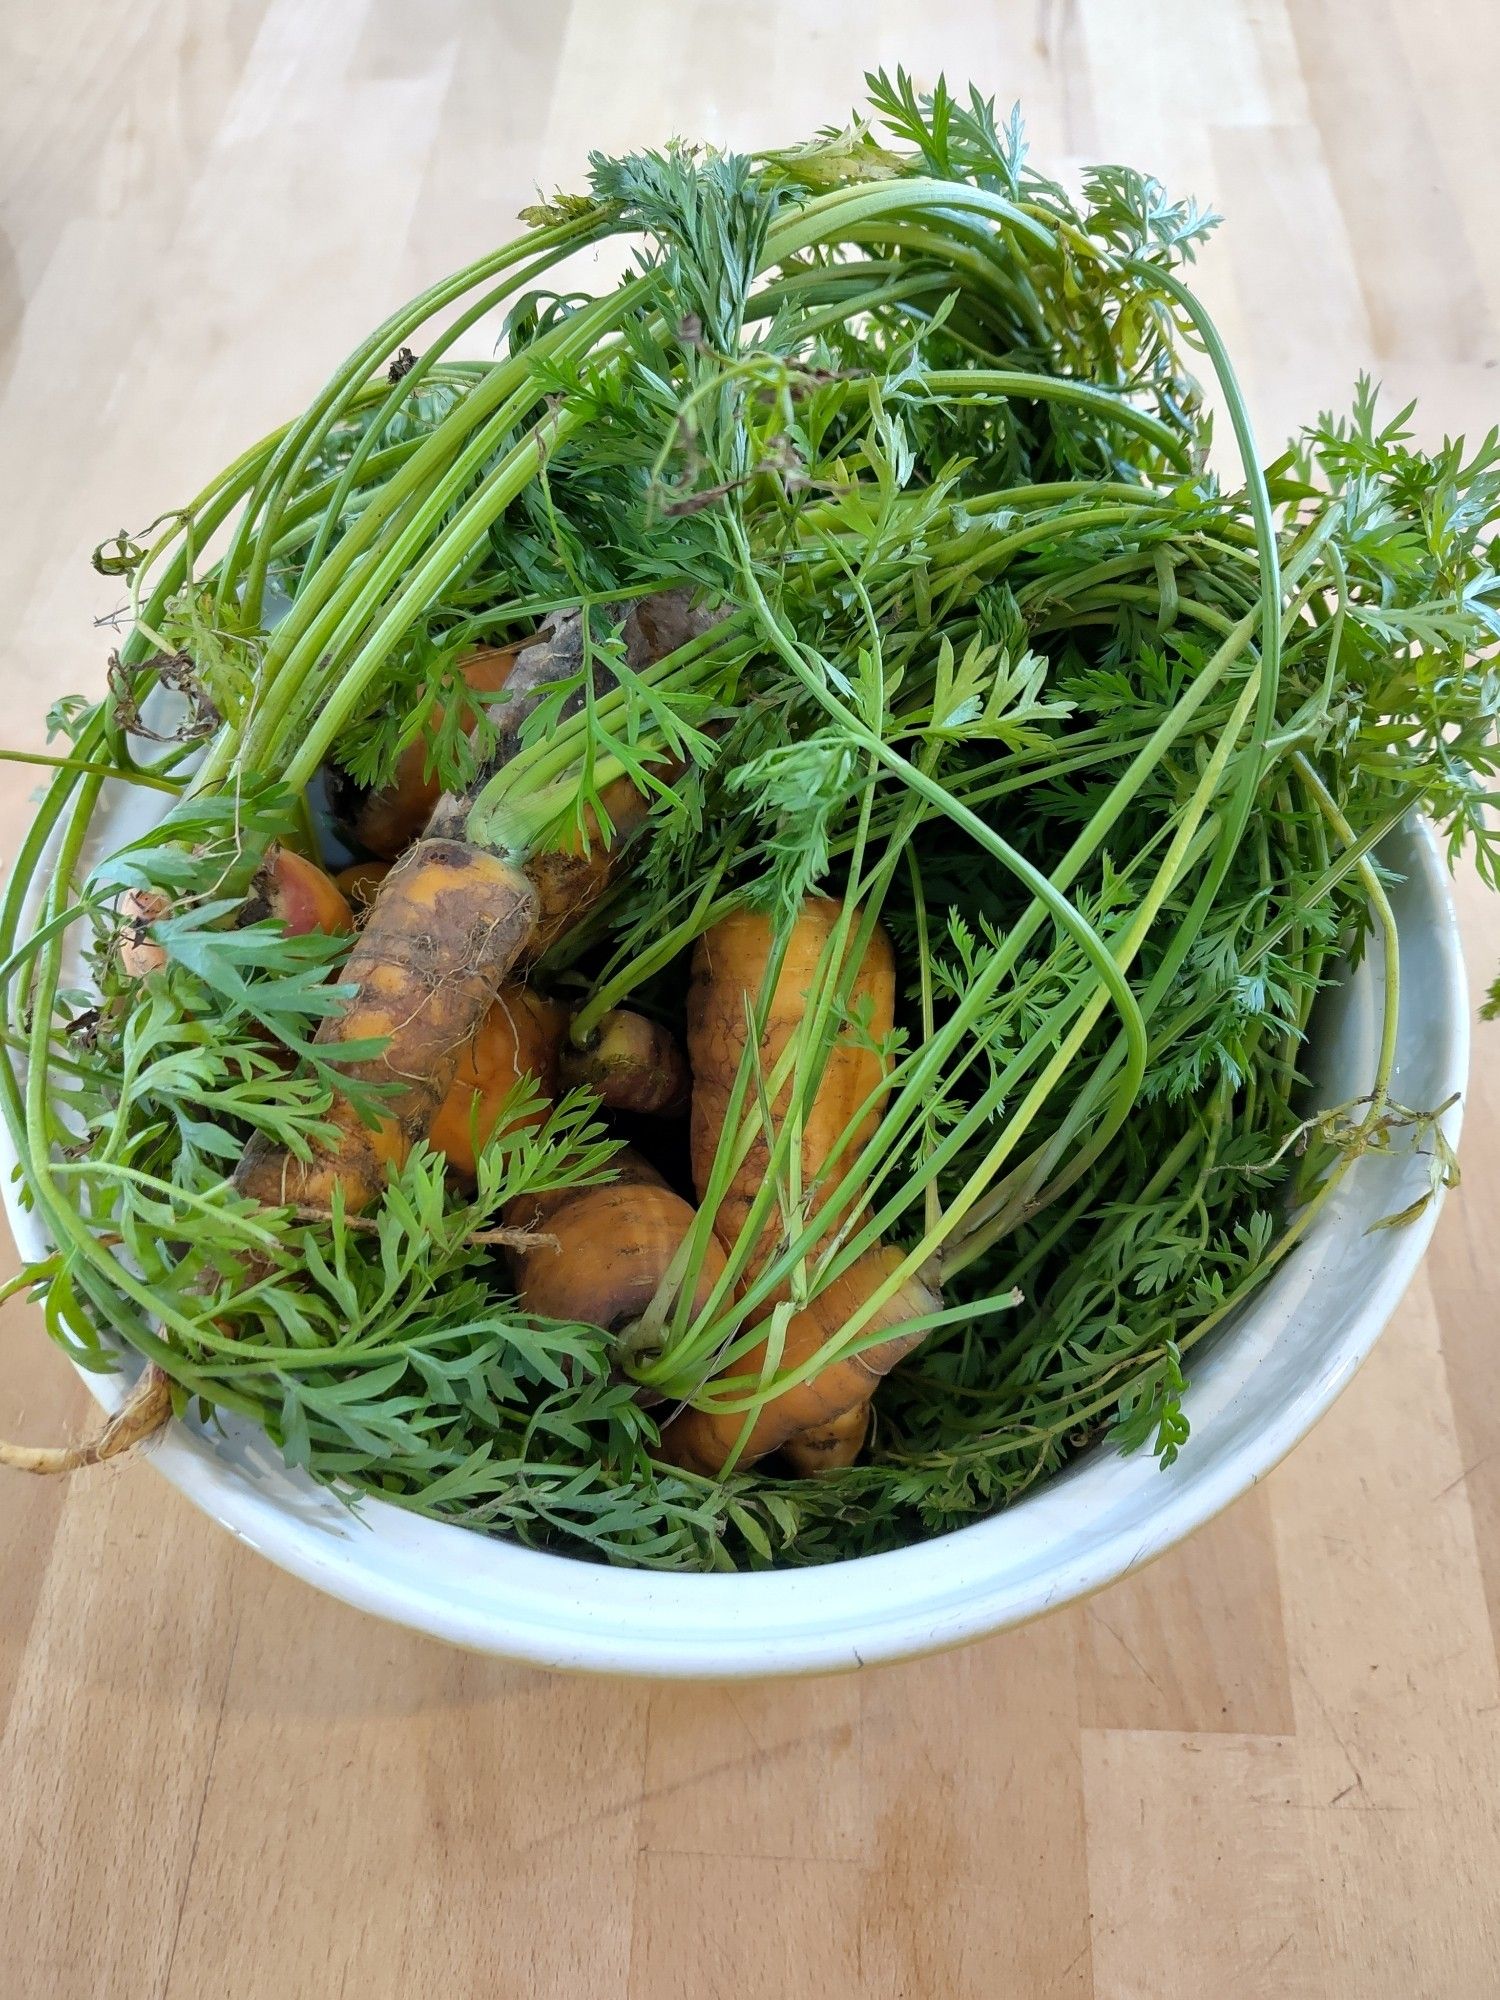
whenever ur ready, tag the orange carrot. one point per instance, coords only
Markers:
(569, 880)
(729, 963)
(359, 883)
(443, 933)
(387, 819)
(286, 886)
(633, 1063)
(518, 1037)
(290, 887)
(448, 924)
(612, 1247)
(827, 1450)
(729, 966)
(703, 1440)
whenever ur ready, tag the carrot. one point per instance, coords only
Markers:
(569, 880)
(729, 965)
(612, 1248)
(360, 882)
(449, 922)
(297, 891)
(387, 819)
(633, 1063)
(286, 885)
(519, 1036)
(827, 1450)
(139, 953)
(704, 1440)
(444, 931)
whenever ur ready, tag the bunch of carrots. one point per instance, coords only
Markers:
(435, 978)
(693, 942)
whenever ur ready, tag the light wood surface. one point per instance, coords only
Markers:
(1269, 1766)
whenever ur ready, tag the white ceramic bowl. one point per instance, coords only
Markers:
(1260, 1387)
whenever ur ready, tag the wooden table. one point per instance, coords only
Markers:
(1270, 1765)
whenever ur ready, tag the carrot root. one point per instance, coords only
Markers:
(518, 1037)
(143, 1413)
(140, 954)
(704, 1441)
(359, 883)
(634, 1064)
(296, 891)
(818, 1423)
(570, 880)
(729, 963)
(611, 1248)
(830, 1449)
(442, 935)
(286, 886)
(388, 819)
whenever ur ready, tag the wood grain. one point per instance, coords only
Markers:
(1270, 1765)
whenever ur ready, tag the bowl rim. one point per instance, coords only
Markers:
(564, 1613)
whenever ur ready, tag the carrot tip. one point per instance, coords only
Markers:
(143, 1413)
